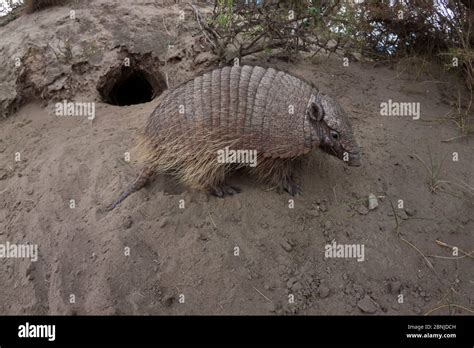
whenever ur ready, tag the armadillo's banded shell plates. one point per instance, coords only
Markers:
(260, 109)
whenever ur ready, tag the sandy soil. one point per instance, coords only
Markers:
(191, 251)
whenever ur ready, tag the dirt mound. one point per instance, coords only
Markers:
(169, 250)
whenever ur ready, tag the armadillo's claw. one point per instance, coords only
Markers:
(289, 186)
(224, 190)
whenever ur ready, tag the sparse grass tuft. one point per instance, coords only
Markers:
(63, 50)
(462, 116)
(434, 171)
(435, 183)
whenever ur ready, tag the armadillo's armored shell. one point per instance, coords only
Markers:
(262, 109)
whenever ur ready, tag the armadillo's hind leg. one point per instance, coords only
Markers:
(143, 178)
(209, 176)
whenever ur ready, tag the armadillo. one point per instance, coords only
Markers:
(278, 115)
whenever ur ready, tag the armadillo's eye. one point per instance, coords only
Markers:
(334, 135)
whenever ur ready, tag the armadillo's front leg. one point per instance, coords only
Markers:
(289, 185)
(222, 190)
(218, 186)
(279, 173)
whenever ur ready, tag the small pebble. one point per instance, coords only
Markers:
(163, 222)
(403, 215)
(323, 291)
(271, 307)
(168, 300)
(394, 287)
(238, 204)
(296, 286)
(287, 246)
(291, 281)
(367, 305)
(373, 203)
(314, 213)
(362, 210)
(127, 223)
(202, 237)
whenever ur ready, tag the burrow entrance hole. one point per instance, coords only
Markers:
(128, 86)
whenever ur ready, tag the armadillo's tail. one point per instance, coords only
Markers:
(142, 179)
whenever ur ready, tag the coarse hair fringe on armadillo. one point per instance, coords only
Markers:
(191, 157)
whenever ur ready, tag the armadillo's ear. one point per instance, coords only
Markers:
(316, 111)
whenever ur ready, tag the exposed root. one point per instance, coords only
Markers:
(465, 254)
(430, 265)
(450, 306)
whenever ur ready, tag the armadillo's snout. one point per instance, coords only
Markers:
(354, 159)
